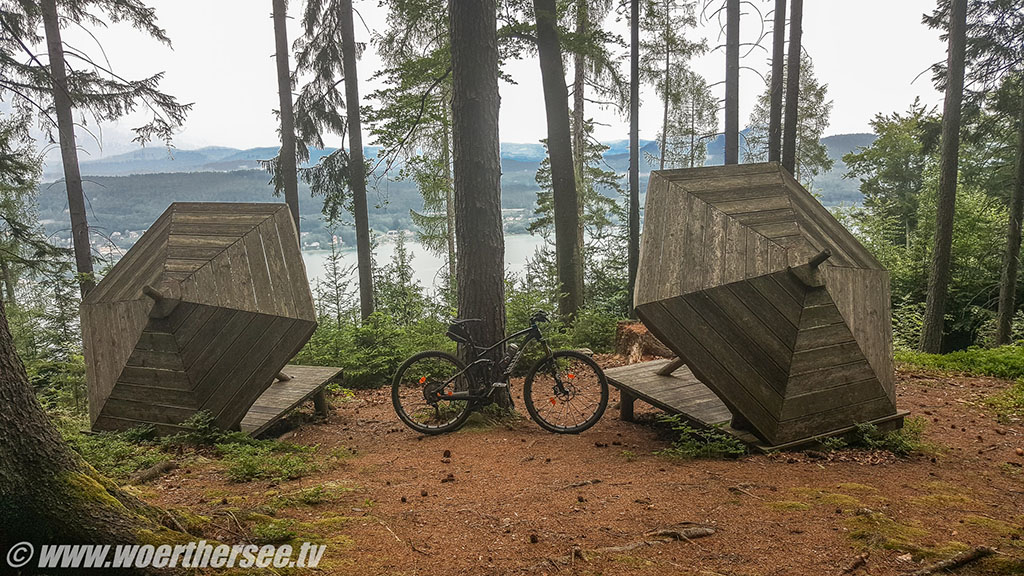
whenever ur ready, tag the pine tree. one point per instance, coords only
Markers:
(664, 60)
(814, 110)
(73, 80)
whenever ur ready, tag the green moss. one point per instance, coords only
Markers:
(788, 505)
(267, 460)
(331, 523)
(162, 536)
(993, 526)
(86, 488)
(1008, 404)
(273, 532)
(876, 530)
(942, 495)
(858, 488)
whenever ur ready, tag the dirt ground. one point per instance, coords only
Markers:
(511, 498)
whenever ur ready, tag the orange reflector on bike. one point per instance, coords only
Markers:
(553, 401)
(571, 375)
(450, 393)
(423, 379)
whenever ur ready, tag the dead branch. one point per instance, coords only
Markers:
(652, 538)
(956, 561)
(153, 472)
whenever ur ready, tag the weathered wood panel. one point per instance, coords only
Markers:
(243, 308)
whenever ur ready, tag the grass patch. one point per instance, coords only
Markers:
(273, 532)
(267, 460)
(788, 506)
(692, 443)
(901, 442)
(876, 530)
(1004, 362)
(828, 498)
(1008, 404)
(117, 455)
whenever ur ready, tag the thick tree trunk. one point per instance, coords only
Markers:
(478, 228)
(286, 158)
(668, 76)
(778, 82)
(732, 82)
(792, 86)
(938, 279)
(633, 251)
(568, 258)
(47, 493)
(68, 149)
(449, 199)
(358, 167)
(1008, 282)
(579, 130)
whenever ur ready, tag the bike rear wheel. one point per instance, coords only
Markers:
(420, 392)
(566, 392)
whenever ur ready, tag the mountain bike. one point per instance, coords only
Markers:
(434, 392)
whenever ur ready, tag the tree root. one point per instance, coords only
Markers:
(956, 561)
(153, 472)
(652, 538)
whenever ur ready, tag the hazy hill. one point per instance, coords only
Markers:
(127, 192)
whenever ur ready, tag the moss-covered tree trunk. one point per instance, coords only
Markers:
(48, 494)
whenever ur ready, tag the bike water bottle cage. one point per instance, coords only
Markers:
(458, 332)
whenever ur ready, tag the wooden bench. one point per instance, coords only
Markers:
(670, 386)
(283, 396)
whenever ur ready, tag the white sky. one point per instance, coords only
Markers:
(868, 52)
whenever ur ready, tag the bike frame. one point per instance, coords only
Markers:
(478, 386)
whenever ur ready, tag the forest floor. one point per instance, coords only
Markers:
(505, 497)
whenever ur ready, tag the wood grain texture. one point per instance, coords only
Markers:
(723, 282)
(245, 310)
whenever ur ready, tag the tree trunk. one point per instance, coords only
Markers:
(668, 72)
(938, 279)
(778, 82)
(792, 86)
(1008, 282)
(286, 158)
(358, 167)
(633, 251)
(732, 82)
(68, 149)
(568, 259)
(579, 135)
(478, 228)
(8, 278)
(47, 493)
(449, 198)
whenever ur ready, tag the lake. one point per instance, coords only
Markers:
(428, 268)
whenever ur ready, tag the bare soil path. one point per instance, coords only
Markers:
(509, 498)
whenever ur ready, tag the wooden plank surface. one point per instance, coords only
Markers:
(282, 397)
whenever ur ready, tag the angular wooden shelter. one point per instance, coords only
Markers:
(771, 304)
(201, 314)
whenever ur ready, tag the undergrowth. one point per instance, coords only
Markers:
(1008, 404)
(1005, 362)
(901, 442)
(691, 443)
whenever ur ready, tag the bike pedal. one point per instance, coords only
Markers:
(499, 385)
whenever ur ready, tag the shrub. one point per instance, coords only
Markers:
(1003, 362)
(267, 460)
(900, 442)
(692, 443)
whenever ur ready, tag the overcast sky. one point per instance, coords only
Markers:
(867, 51)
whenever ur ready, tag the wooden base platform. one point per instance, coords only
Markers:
(307, 382)
(682, 393)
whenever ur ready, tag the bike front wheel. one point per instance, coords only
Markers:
(566, 393)
(421, 392)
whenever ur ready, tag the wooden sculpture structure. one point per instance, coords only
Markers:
(202, 314)
(779, 316)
